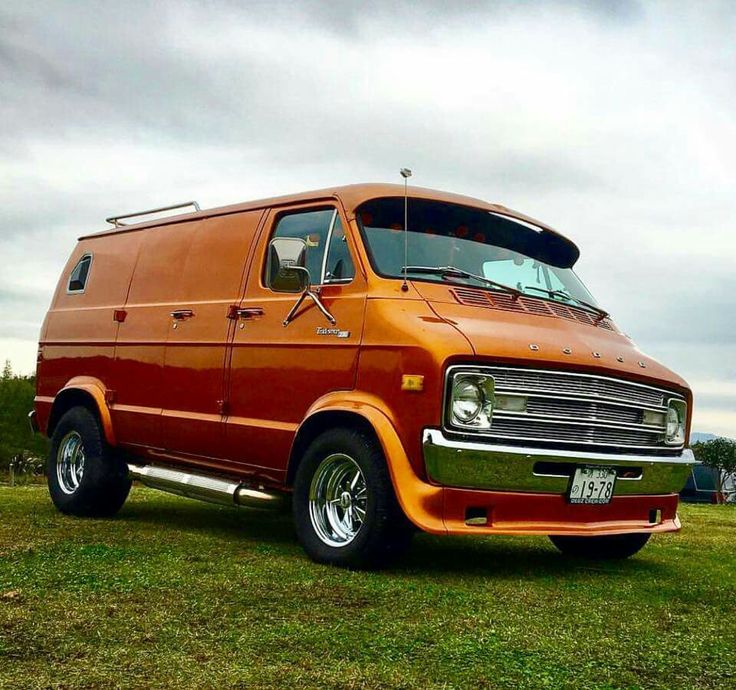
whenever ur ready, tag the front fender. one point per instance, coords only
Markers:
(421, 502)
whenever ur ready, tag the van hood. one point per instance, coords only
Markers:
(552, 341)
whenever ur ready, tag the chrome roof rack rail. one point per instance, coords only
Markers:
(115, 220)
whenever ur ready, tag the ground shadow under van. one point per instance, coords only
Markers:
(501, 557)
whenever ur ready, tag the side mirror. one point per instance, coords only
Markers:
(286, 270)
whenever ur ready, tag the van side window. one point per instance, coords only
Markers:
(79, 274)
(328, 258)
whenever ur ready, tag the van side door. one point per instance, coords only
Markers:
(200, 326)
(278, 371)
(154, 293)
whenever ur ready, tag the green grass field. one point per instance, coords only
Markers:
(174, 593)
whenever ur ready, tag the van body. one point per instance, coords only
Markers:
(453, 375)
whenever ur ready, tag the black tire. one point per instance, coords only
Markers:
(385, 532)
(102, 486)
(612, 547)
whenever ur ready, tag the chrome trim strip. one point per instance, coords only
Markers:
(564, 442)
(561, 395)
(582, 442)
(327, 247)
(577, 421)
(576, 443)
(437, 438)
(33, 422)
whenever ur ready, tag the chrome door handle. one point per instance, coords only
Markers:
(237, 312)
(181, 314)
(250, 312)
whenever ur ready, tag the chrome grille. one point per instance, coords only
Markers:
(589, 386)
(564, 408)
(586, 409)
(530, 429)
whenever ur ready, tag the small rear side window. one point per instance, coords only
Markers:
(79, 274)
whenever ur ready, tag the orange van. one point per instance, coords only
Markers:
(389, 359)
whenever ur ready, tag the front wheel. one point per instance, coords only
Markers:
(611, 547)
(344, 506)
(85, 477)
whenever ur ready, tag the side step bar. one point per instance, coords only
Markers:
(204, 488)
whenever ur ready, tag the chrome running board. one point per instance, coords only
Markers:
(204, 488)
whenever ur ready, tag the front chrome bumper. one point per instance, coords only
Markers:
(476, 465)
(33, 422)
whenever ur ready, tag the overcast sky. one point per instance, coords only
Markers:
(614, 122)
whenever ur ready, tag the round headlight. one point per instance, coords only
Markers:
(673, 423)
(467, 400)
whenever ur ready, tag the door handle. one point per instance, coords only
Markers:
(235, 312)
(181, 314)
(250, 312)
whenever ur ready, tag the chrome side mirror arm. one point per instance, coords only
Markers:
(308, 292)
(318, 303)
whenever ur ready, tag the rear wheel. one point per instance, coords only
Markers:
(615, 546)
(85, 477)
(344, 506)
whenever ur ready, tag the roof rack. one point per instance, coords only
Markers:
(115, 220)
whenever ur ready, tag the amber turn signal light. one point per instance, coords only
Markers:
(412, 382)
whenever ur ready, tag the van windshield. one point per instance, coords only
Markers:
(504, 250)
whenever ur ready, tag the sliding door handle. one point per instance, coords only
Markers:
(181, 314)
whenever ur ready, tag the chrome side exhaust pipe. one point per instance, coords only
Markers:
(204, 488)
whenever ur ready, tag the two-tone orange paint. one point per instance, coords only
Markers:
(235, 397)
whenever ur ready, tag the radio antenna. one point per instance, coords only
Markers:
(406, 174)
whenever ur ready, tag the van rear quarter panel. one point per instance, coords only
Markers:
(78, 336)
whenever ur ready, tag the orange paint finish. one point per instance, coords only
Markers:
(200, 371)
(509, 337)
(528, 513)
(404, 335)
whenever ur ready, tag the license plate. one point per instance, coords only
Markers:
(592, 485)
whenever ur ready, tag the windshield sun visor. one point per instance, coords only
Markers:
(453, 220)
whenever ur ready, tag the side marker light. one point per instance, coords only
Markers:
(412, 382)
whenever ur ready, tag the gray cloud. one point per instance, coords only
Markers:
(611, 121)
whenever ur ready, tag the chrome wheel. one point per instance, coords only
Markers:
(338, 498)
(70, 462)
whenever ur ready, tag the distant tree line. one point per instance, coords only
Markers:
(17, 443)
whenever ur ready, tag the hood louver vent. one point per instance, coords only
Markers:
(527, 305)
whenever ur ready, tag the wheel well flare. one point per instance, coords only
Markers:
(315, 425)
(89, 396)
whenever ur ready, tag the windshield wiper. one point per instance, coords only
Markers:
(452, 272)
(602, 313)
